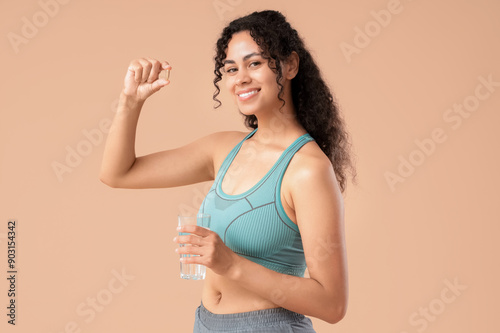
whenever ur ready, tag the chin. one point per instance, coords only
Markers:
(246, 111)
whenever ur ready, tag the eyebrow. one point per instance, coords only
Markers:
(229, 61)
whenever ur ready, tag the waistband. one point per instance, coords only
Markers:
(234, 321)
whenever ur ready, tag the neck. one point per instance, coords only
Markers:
(278, 126)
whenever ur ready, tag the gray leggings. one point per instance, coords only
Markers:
(268, 320)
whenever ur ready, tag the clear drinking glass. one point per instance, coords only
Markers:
(193, 271)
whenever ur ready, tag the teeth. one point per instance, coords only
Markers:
(248, 93)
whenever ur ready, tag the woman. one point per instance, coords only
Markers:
(276, 201)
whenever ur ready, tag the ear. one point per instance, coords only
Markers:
(291, 66)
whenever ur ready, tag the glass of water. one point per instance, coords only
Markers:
(193, 271)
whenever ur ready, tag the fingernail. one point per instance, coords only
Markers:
(175, 238)
(178, 228)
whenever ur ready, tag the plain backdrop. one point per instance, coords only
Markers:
(411, 79)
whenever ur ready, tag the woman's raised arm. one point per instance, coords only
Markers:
(121, 168)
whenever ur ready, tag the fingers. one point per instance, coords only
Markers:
(194, 229)
(158, 84)
(197, 243)
(147, 69)
(166, 65)
(192, 250)
(133, 69)
(192, 259)
(155, 68)
(136, 67)
(189, 244)
(189, 239)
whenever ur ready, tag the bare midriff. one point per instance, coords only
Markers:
(221, 296)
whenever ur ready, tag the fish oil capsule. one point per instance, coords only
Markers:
(165, 74)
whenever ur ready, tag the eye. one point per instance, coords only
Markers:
(255, 63)
(229, 70)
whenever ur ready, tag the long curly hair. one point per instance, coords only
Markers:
(316, 109)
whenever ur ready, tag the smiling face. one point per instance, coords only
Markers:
(248, 77)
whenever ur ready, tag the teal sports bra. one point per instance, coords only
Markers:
(254, 224)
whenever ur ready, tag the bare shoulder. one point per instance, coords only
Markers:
(225, 140)
(221, 144)
(309, 173)
(228, 135)
(310, 163)
(218, 142)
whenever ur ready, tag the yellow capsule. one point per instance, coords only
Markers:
(165, 74)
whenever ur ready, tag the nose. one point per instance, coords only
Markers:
(242, 76)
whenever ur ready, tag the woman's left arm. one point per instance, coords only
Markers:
(319, 211)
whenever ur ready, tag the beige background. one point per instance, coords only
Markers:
(404, 243)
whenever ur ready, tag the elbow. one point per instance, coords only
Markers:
(336, 311)
(335, 315)
(108, 181)
(105, 182)
(112, 178)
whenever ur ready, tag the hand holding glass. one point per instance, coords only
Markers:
(193, 271)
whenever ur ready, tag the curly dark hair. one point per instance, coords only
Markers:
(316, 109)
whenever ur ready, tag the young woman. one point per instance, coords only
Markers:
(276, 201)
